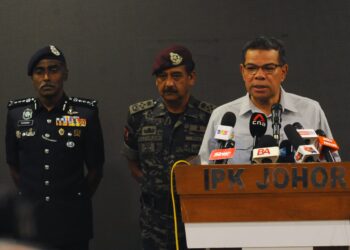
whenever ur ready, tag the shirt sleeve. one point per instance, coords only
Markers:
(130, 145)
(11, 143)
(94, 145)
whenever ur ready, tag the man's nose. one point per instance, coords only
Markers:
(46, 76)
(169, 81)
(260, 74)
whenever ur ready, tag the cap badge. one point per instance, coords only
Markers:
(27, 114)
(54, 50)
(175, 58)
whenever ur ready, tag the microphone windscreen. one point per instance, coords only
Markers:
(320, 132)
(297, 125)
(293, 136)
(229, 119)
(266, 141)
(258, 124)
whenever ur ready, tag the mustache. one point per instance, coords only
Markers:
(170, 90)
(46, 84)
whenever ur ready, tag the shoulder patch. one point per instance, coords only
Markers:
(140, 106)
(83, 101)
(206, 107)
(20, 102)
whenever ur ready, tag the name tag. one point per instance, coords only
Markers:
(25, 123)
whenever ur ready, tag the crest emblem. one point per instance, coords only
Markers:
(61, 131)
(54, 50)
(175, 58)
(71, 111)
(18, 134)
(27, 114)
(70, 144)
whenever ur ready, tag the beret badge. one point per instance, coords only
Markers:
(54, 50)
(175, 58)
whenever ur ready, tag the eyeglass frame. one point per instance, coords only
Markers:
(262, 68)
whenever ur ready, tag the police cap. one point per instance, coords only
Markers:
(48, 52)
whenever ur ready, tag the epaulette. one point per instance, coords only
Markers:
(206, 107)
(140, 106)
(21, 102)
(83, 101)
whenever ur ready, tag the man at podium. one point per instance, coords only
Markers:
(264, 68)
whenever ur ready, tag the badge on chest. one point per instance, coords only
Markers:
(70, 121)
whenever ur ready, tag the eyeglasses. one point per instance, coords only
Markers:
(266, 68)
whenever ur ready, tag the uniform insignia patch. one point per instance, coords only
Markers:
(61, 131)
(27, 114)
(71, 121)
(175, 58)
(86, 102)
(30, 132)
(149, 130)
(141, 106)
(48, 139)
(18, 134)
(71, 111)
(77, 132)
(70, 144)
(25, 123)
(206, 107)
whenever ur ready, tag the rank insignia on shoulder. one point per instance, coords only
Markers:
(83, 101)
(70, 121)
(140, 106)
(206, 107)
(21, 102)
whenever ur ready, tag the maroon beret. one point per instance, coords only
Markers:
(173, 56)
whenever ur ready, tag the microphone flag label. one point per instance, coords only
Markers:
(330, 143)
(221, 154)
(224, 133)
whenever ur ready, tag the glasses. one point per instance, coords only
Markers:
(266, 68)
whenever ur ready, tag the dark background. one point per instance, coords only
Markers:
(110, 46)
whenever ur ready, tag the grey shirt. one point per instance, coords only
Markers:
(295, 109)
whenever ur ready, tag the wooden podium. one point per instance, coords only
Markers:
(265, 205)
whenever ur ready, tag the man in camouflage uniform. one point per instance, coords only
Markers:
(49, 140)
(157, 134)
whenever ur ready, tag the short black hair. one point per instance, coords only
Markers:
(266, 43)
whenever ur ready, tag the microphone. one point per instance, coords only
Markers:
(276, 111)
(266, 151)
(286, 152)
(257, 126)
(224, 135)
(304, 153)
(326, 146)
(309, 135)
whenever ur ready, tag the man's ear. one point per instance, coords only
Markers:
(65, 74)
(193, 77)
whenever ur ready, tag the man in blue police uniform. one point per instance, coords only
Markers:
(49, 140)
(157, 134)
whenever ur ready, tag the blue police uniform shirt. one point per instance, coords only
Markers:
(50, 148)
